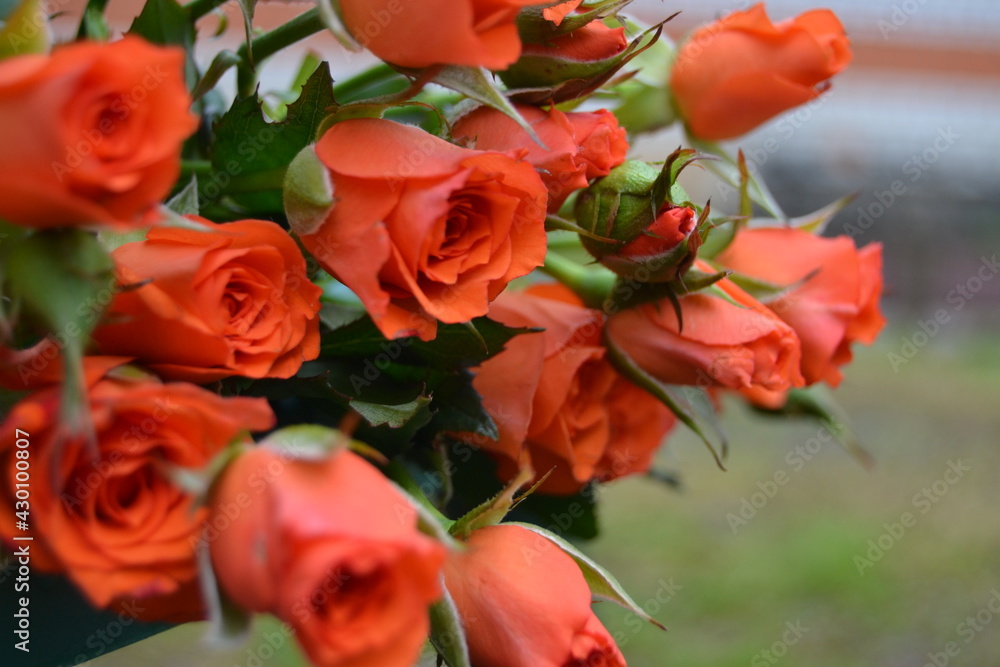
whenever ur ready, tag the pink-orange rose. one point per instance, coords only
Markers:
(423, 230)
(557, 401)
(739, 344)
(91, 134)
(525, 603)
(218, 300)
(331, 548)
(736, 73)
(420, 33)
(579, 146)
(111, 517)
(835, 297)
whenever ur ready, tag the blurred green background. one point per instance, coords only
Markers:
(785, 588)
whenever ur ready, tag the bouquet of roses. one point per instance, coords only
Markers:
(438, 293)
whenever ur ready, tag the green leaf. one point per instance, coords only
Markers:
(456, 345)
(251, 155)
(309, 442)
(164, 22)
(26, 30)
(185, 202)
(394, 416)
(603, 585)
(477, 83)
(459, 408)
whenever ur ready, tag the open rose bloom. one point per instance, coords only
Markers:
(362, 354)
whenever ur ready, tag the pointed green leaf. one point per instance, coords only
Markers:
(251, 155)
(310, 442)
(603, 585)
(535, 28)
(394, 416)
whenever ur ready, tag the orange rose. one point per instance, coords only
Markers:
(525, 603)
(92, 133)
(579, 145)
(734, 74)
(830, 309)
(233, 299)
(736, 345)
(330, 547)
(557, 401)
(423, 230)
(115, 523)
(419, 33)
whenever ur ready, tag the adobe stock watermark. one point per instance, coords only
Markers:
(796, 459)
(772, 655)
(958, 297)
(923, 502)
(901, 14)
(918, 165)
(967, 630)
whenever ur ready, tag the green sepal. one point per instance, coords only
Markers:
(638, 376)
(728, 169)
(493, 511)
(447, 632)
(603, 585)
(534, 28)
(541, 78)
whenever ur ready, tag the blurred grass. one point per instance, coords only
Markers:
(793, 561)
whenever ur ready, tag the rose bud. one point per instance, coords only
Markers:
(729, 340)
(833, 294)
(112, 518)
(421, 33)
(571, 65)
(215, 300)
(640, 246)
(331, 548)
(92, 134)
(420, 229)
(579, 146)
(525, 603)
(734, 74)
